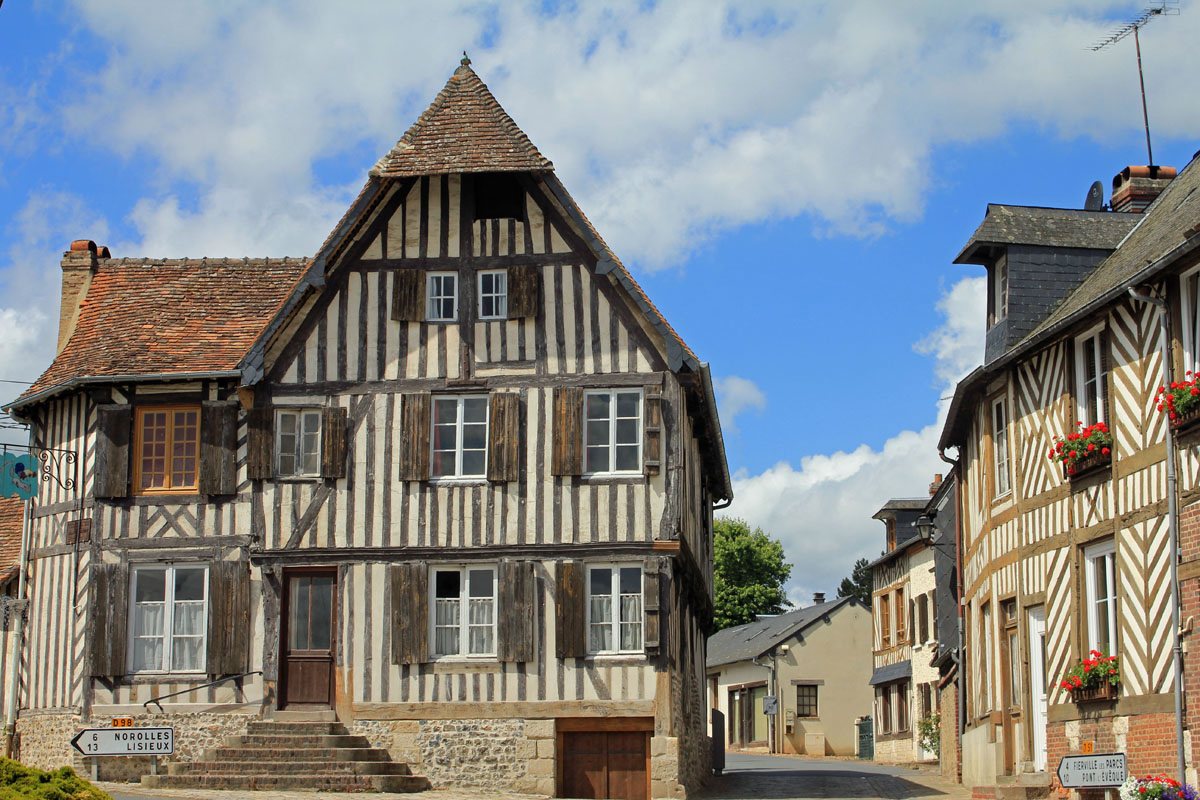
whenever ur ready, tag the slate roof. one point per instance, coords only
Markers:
(891, 672)
(170, 317)
(463, 130)
(12, 510)
(755, 638)
(1049, 227)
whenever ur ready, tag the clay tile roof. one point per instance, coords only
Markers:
(463, 130)
(12, 511)
(171, 316)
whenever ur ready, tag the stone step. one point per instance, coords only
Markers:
(296, 729)
(297, 782)
(304, 715)
(281, 741)
(265, 755)
(287, 768)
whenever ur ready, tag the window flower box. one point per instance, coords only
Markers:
(1180, 402)
(1086, 450)
(1094, 679)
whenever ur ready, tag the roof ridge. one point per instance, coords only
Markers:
(484, 137)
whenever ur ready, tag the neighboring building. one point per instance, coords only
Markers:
(814, 661)
(904, 609)
(942, 513)
(1056, 565)
(450, 480)
(12, 516)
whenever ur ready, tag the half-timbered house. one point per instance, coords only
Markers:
(448, 481)
(1089, 313)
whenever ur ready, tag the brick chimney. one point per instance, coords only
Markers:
(78, 266)
(937, 484)
(1134, 188)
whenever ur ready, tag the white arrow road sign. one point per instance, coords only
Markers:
(1102, 769)
(125, 741)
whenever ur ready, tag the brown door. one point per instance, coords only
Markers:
(609, 764)
(308, 635)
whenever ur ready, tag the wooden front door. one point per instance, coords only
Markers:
(308, 633)
(606, 764)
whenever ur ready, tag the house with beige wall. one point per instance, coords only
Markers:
(815, 660)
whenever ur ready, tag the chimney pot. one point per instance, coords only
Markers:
(937, 484)
(83, 244)
(1135, 187)
(818, 598)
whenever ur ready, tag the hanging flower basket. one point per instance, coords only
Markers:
(1180, 402)
(1156, 787)
(1086, 450)
(1095, 678)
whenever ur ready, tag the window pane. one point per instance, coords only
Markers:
(445, 411)
(187, 654)
(627, 458)
(627, 431)
(189, 584)
(147, 654)
(447, 584)
(597, 406)
(597, 432)
(445, 437)
(475, 409)
(188, 619)
(445, 641)
(480, 582)
(601, 581)
(597, 459)
(474, 436)
(445, 612)
(287, 423)
(473, 463)
(322, 609)
(487, 307)
(631, 580)
(287, 464)
(298, 618)
(148, 619)
(627, 404)
(151, 585)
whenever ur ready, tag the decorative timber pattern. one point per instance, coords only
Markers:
(1143, 564)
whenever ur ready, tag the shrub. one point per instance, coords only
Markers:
(929, 734)
(19, 782)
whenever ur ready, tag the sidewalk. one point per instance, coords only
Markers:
(133, 791)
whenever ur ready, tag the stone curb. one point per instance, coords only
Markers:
(135, 790)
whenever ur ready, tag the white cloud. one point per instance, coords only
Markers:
(671, 122)
(821, 510)
(736, 395)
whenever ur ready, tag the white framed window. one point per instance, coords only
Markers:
(168, 613)
(493, 294)
(1100, 578)
(1091, 379)
(441, 296)
(1190, 306)
(460, 436)
(298, 442)
(1000, 291)
(613, 431)
(614, 616)
(1003, 482)
(463, 613)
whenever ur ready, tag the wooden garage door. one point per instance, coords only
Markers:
(610, 764)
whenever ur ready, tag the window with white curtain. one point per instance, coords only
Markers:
(298, 442)
(1091, 377)
(615, 609)
(1190, 306)
(464, 611)
(1003, 482)
(168, 618)
(1101, 581)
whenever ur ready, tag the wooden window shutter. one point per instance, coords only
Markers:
(518, 611)
(218, 447)
(524, 291)
(410, 612)
(568, 431)
(651, 600)
(570, 610)
(260, 448)
(414, 450)
(228, 617)
(110, 605)
(113, 423)
(504, 437)
(333, 442)
(652, 450)
(408, 295)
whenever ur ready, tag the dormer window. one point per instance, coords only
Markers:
(998, 292)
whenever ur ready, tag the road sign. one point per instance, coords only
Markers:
(125, 741)
(122, 722)
(1100, 769)
(770, 705)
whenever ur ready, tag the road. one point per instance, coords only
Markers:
(788, 778)
(747, 777)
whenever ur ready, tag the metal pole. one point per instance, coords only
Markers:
(1145, 116)
(1173, 536)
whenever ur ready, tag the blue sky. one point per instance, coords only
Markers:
(789, 181)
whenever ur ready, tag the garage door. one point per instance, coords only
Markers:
(606, 764)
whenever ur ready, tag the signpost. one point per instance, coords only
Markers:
(125, 741)
(770, 705)
(1098, 770)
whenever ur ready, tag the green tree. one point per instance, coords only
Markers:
(858, 584)
(749, 573)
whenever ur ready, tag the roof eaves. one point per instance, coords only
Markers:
(73, 383)
(966, 388)
(714, 423)
(788, 633)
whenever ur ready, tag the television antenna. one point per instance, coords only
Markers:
(1165, 8)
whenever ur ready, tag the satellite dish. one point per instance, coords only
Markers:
(1095, 198)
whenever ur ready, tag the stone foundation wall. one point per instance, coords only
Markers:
(901, 750)
(45, 740)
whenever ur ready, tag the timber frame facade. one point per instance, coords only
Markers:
(452, 478)
(1054, 564)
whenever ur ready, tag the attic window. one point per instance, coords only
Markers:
(498, 195)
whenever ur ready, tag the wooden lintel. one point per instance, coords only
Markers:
(531, 709)
(512, 381)
(337, 555)
(667, 546)
(590, 724)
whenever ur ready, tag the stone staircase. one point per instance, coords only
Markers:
(275, 755)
